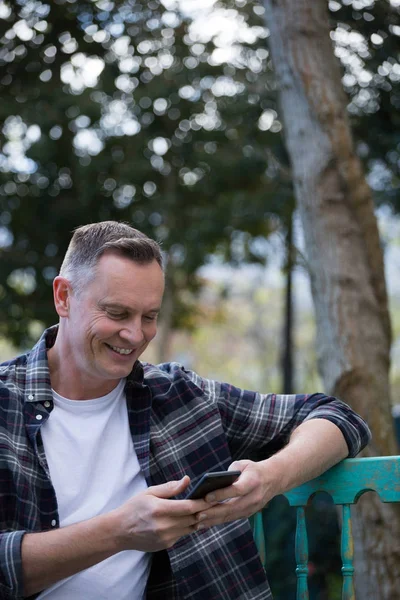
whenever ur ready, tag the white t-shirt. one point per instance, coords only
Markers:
(94, 469)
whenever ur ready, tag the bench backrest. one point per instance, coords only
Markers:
(345, 483)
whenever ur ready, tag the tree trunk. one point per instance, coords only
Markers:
(287, 351)
(164, 334)
(345, 259)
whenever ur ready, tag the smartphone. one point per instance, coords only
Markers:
(211, 482)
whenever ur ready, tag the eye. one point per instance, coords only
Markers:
(115, 315)
(150, 318)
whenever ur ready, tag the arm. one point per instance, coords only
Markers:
(258, 425)
(314, 447)
(311, 432)
(54, 555)
(148, 522)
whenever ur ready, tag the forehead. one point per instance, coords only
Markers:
(117, 276)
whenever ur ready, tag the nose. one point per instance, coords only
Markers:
(133, 333)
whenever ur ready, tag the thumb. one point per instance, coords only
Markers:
(170, 489)
(239, 465)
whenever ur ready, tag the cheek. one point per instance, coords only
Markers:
(150, 332)
(100, 328)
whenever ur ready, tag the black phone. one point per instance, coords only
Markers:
(211, 482)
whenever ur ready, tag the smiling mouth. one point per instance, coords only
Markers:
(123, 351)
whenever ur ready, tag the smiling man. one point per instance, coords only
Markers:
(106, 324)
(98, 449)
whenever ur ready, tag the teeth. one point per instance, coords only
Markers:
(121, 350)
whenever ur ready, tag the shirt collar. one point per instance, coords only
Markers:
(38, 384)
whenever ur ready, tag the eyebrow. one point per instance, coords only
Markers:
(122, 307)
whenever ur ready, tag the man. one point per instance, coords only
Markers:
(98, 450)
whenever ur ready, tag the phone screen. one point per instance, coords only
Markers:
(212, 481)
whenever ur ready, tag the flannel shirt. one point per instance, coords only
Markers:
(181, 424)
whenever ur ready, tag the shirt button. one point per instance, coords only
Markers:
(53, 523)
(47, 404)
(39, 417)
(31, 397)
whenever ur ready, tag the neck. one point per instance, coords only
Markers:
(68, 380)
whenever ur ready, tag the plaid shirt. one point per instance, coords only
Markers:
(180, 424)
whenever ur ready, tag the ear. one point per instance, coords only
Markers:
(61, 293)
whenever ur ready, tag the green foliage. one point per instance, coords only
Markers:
(366, 36)
(124, 110)
(117, 110)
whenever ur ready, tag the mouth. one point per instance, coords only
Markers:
(121, 351)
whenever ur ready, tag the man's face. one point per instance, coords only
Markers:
(111, 323)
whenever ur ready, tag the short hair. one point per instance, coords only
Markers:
(90, 242)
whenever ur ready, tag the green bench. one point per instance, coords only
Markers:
(345, 483)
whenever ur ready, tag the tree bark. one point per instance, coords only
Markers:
(345, 259)
(165, 330)
(288, 346)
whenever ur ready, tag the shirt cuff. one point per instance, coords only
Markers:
(354, 429)
(11, 586)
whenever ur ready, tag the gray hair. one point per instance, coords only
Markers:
(90, 242)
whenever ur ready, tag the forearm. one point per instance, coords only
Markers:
(314, 447)
(148, 522)
(54, 555)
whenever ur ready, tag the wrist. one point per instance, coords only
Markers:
(275, 475)
(111, 532)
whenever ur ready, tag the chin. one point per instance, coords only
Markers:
(121, 372)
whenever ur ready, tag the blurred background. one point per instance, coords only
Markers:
(165, 114)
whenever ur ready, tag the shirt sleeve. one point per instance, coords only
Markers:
(257, 425)
(11, 565)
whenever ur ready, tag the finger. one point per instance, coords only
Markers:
(182, 527)
(238, 465)
(231, 491)
(169, 489)
(248, 481)
(223, 513)
(177, 525)
(175, 534)
(171, 508)
(223, 495)
(182, 508)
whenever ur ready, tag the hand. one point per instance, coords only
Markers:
(247, 495)
(153, 520)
